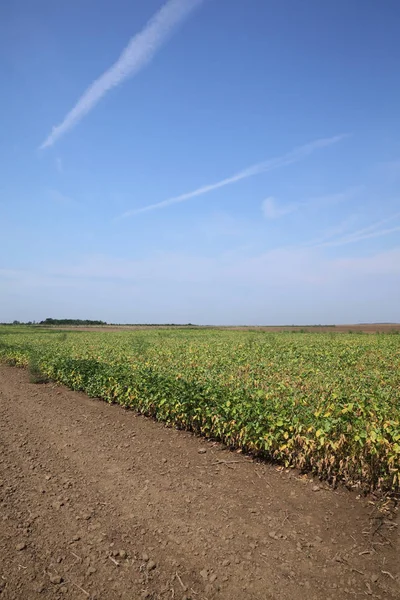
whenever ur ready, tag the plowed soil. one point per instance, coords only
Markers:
(98, 502)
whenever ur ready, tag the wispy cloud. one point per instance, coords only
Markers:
(61, 199)
(274, 163)
(372, 231)
(335, 198)
(384, 263)
(332, 232)
(137, 54)
(272, 209)
(207, 287)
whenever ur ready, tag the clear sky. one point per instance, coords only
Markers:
(215, 161)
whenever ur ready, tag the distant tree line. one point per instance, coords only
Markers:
(71, 322)
(19, 323)
(86, 322)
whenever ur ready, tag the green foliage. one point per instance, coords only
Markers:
(326, 403)
(36, 374)
(70, 322)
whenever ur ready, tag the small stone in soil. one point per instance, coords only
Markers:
(20, 546)
(56, 579)
(202, 450)
(151, 565)
(122, 554)
(247, 556)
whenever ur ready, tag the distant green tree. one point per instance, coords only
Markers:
(50, 321)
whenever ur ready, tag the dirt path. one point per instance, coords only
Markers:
(97, 502)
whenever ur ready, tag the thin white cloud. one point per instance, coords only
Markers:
(273, 210)
(335, 198)
(384, 263)
(61, 199)
(269, 165)
(365, 236)
(332, 232)
(372, 231)
(137, 54)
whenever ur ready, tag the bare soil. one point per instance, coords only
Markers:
(98, 502)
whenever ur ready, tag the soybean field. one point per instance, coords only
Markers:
(327, 403)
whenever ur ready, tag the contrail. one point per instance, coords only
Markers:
(137, 54)
(366, 233)
(269, 165)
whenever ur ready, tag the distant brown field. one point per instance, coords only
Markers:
(359, 328)
(353, 328)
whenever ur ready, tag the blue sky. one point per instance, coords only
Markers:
(214, 161)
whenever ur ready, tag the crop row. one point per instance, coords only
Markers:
(326, 403)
